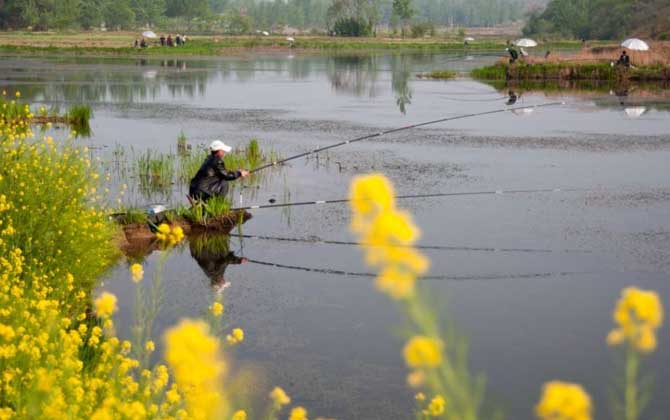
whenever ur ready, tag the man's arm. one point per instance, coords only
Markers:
(223, 173)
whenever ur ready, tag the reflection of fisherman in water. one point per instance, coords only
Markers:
(214, 263)
(512, 98)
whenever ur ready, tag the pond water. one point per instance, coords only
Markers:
(531, 279)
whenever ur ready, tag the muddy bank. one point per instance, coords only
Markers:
(138, 239)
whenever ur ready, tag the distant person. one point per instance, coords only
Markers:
(183, 40)
(169, 41)
(143, 43)
(177, 40)
(547, 54)
(513, 54)
(162, 40)
(624, 59)
(137, 43)
(213, 177)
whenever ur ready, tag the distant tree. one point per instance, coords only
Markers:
(118, 14)
(403, 11)
(148, 12)
(91, 14)
(188, 9)
(237, 23)
(66, 14)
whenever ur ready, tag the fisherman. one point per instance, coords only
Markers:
(514, 55)
(212, 177)
(162, 40)
(624, 59)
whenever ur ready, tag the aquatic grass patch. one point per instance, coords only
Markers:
(571, 71)
(78, 117)
(155, 171)
(439, 74)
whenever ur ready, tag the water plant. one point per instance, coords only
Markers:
(78, 117)
(155, 171)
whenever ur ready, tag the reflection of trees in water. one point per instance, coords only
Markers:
(354, 74)
(93, 80)
(401, 69)
(97, 83)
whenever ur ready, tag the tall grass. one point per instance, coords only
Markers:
(155, 171)
(78, 117)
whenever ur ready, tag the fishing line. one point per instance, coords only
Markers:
(429, 195)
(453, 278)
(316, 240)
(396, 130)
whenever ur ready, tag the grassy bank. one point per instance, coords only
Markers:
(120, 44)
(571, 71)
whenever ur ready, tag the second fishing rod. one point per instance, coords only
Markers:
(399, 129)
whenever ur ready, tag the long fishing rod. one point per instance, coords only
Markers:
(434, 277)
(316, 240)
(396, 130)
(403, 197)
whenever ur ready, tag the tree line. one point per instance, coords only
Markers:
(601, 19)
(242, 16)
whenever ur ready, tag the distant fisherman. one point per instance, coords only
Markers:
(212, 177)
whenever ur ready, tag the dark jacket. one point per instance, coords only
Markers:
(212, 178)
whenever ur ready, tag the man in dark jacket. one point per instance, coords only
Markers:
(212, 177)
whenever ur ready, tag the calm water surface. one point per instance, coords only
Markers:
(331, 340)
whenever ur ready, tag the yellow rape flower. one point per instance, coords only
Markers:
(194, 356)
(240, 415)
(423, 351)
(216, 309)
(169, 236)
(150, 346)
(371, 193)
(564, 401)
(637, 315)
(136, 272)
(436, 406)
(105, 305)
(236, 336)
(279, 397)
(298, 413)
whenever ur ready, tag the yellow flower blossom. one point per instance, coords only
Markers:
(423, 351)
(136, 272)
(216, 309)
(236, 336)
(436, 406)
(149, 346)
(564, 401)
(240, 415)
(637, 315)
(194, 356)
(279, 397)
(298, 413)
(105, 305)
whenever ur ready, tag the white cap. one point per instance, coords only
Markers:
(219, 145)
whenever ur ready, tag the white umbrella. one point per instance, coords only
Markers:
(525, 42)
(635, 111)
(290, 39)
(468, 38)
(266, 33)
(149, 34)
(635, 44)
